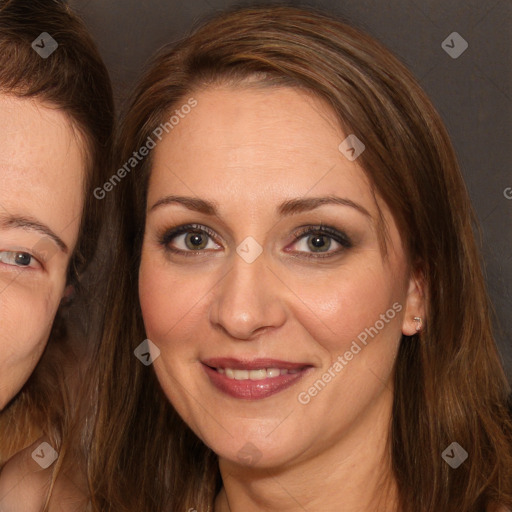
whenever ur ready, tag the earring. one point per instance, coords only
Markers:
(419, 322)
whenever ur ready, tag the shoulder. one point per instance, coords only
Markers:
(23, 483)
(26, 478)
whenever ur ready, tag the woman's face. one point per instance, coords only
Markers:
(41, 172)
(275, 343)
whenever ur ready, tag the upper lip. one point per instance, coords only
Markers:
(251, 364)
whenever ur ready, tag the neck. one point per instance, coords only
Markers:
(353, 475)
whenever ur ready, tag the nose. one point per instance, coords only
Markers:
(248, 300)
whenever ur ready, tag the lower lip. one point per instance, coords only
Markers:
(252, 389)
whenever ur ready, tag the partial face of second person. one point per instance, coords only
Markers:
(247, 309)
(41, 199)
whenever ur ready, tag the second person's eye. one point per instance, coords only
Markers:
(192, 239)
(188, 239)
(315, 241)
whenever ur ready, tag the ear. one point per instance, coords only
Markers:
(415, 305)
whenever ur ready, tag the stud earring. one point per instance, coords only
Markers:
(419, 322)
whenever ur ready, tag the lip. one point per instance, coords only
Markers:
(253, 389)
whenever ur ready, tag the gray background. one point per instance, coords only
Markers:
(473, 93)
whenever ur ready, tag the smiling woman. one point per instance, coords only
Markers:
(305, 230)
(56, 123)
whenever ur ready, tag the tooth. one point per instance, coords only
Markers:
(258, 374)
(241, 374)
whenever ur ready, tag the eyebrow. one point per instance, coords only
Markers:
(289, 207)
(30, 224)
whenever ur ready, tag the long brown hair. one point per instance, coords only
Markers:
(74, 80)
(449, 382)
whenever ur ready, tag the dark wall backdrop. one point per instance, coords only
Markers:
(473, 92)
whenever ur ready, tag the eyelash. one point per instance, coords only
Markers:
(338, 236)
(24, 267)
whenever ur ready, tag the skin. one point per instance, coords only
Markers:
(249, 149)
(41, 171)
(24, 484)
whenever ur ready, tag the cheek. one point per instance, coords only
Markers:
(357, 322)
(163, 300)
(171, 312)
(26, 312)
(173, 301)
(346, 306)
(26, 320)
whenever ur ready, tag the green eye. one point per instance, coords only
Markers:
(193, 238)
(315, 241)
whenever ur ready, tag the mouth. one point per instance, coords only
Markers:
(253, 379)
(261, 374)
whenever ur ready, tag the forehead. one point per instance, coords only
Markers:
(28, 126)
(42, 165)
(255, 142)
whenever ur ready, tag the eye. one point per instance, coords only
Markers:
(191, 239)
(188, 239)
(317, 240)
(18, 259)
